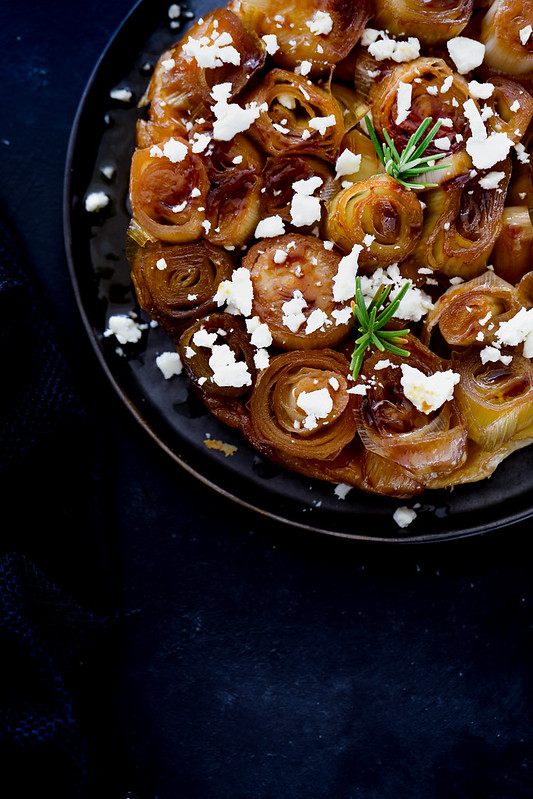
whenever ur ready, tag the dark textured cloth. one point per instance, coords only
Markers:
(58, 606)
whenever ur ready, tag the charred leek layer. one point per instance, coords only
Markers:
(433, 22)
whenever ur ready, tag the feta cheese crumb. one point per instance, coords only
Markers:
(269, 227)
(321, 23)
(403, 101)
(427, 392)
(403, 516)
(344, 280)
(170, 364)
(124, 328)
(96, 201)
(271, 43)
(227, 371)
(485, 153)
(123, 95)
(525, 33)
(341, 490)
(322, 123)
(316, 404)
(293, 316)
(237, 293)
(481, 91)
(467, 54)
(348, 163)
(161, 263)
(491, 180)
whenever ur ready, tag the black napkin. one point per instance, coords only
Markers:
(58, 606)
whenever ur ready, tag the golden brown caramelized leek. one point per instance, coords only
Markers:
(512, 255)
(162, 180)
(495, 399)
(508, 40)
(425, 444)
(301, 117)
(436, 93)
(217, 49)
(282, 172)
(469, 313)
(176, 283)
(512, 106)
(299, 405)
(380, 215)
(234, 170)
(293, 280)
(462, 221)
(319, 31)
(431, 21)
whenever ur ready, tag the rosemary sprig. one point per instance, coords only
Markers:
(371, 325)
(411, 162)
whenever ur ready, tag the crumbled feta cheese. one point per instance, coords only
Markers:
(170, 364)
(491, 180)
(525, 33)
(161, 263)
(304, 68)
(227, 371)
(316, 320)
(481, 91)
(341, 490)
(260, 335)
(269, 227)
(414, 305)
(280, 256)
(403, 101)
(344, 280)
(96, 201)
(348, 163)
(305, 210)
(485, 153)
(123, 95)
(261, 359)
(125, 329)
(518, 330)
(321, 23)
(477, 126)
(427, 392)
(271, 43)
(403, 516)
(202, 338)
(316, 404)
(494, 354)
(209, 54)
(521, 153)
(515, 106)
(342, 315)
(446, 84)
(443, 143)
(237, 293)
(322, 123)
(293, 316)
(467, 54)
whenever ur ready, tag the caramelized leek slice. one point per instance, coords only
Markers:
(301, 117)
(209, 337)
(462, 221)
(319, 31)
(512, 255)
(293, 280)
(161, 191)
(186, 73)
(176, 283)
(433, 21)
(500, 32)
(495, 399)
(471, 312)
(282, 172)
(437, 93)
(234, 170)
(300, 406)
(426, 445)
(512, 106)
(380, 215)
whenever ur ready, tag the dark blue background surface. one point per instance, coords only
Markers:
(254, 661)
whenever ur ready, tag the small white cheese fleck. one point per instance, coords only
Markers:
(481, 91)
(348, 163)
(269, 227)
(316, 404)
(123, 95)
(427, 392)
(321, 23)
(403, 516)
(96, 201)
(341, 490)
(271, 43)
(124, 328)
(525, 33)
(344, 280)
(403, 101)
(170, 364)
(322, 123)
(467, 54)
(491, 180)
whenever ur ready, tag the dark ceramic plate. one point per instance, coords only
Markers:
(103, 136)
